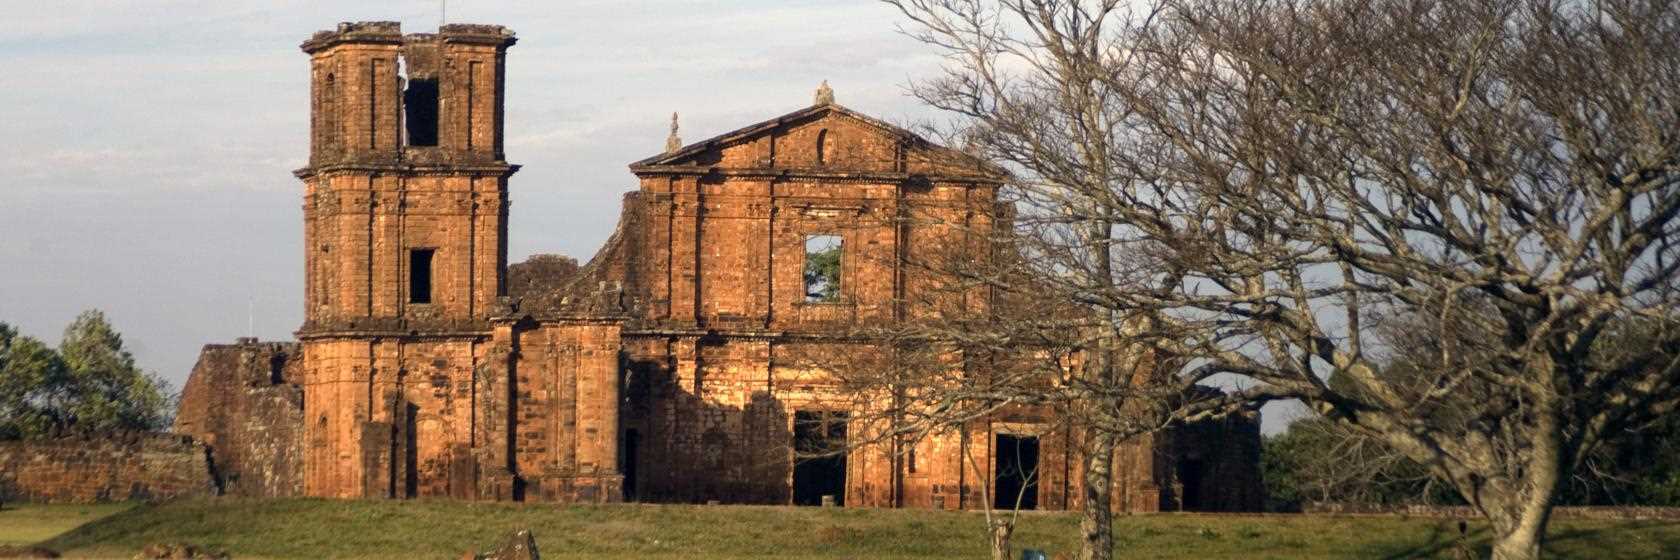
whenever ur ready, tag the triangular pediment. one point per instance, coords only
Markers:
(825, 137)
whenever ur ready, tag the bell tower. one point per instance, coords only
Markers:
(405, 196)
(405, 212)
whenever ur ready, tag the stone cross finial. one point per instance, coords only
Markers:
(673, 142)
(825, 94)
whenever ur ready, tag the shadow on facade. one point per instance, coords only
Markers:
(687, 450)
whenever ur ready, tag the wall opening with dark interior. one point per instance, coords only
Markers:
(276, 369)
(632, 443)
(819, 441)
(822, 268)
(420, 275)
(1016, 471)
(420, 112)
(822, 147)
(403, 477)
(1190, 474)
(411, 451)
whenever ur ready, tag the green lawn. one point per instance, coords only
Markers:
(23, 524)
(306, 528)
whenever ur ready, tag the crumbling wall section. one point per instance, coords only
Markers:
(105, 468)
(710, 421)
(243, 401)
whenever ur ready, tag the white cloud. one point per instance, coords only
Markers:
(148, 145)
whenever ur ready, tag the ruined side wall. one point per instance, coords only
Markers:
(112, 467)
(244, 403)
(1221, 457)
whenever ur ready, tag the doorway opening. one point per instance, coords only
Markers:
(1190, 474)
(1017, 472)
(819, 469)
(632, 442)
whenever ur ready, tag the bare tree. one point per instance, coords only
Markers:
(982, 340)
(1261, 183)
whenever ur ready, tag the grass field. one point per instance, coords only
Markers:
(23, 524)
(442, 529)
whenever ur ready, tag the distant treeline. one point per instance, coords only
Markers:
(88, 384)
(1319, 461)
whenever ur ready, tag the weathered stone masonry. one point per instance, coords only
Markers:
(243, 400)
(105, 468)
(667, 368)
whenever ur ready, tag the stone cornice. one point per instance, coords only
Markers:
(361, 32)
(566, 318)
(751, 334)
(815, 174)
(375, 334)
(492, 169)
(390, 33)
(364, 327)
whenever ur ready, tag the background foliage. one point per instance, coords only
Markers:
(90, 383)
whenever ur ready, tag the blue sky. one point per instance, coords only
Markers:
(146, 148)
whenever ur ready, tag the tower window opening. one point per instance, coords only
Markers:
(420, 275)
(822, 268)
(420, 112)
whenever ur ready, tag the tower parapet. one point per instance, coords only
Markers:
(381, 97)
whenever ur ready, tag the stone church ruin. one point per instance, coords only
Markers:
(665, 368)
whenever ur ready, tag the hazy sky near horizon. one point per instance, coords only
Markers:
(148, 145)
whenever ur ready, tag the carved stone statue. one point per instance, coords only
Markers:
(673, 142)
(825, 94)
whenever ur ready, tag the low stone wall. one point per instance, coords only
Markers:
(105, 468)
(1562, 512)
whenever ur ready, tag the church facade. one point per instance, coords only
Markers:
(668, 368)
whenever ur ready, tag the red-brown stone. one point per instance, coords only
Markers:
(667, 368)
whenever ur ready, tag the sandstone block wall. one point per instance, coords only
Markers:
(716, 351)
(390, 417)
(667, 369)
(244, 402)
(106, 468)
(551, 398)
(405, 235)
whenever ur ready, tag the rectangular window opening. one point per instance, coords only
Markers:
(420, 112)
(822, 268)
(420, 275)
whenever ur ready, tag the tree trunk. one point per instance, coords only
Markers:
(1521, 508)
(1002, 529)
(1520, 527)
(1521, 544)
(1096, 526)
